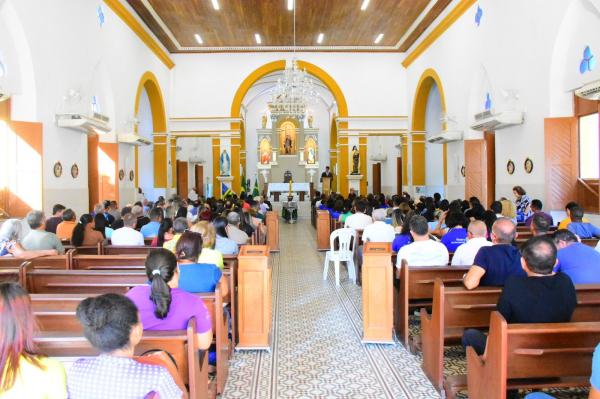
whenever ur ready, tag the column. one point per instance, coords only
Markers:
(173, 141)
(160, 160)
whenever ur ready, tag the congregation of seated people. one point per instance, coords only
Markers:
(537, 275)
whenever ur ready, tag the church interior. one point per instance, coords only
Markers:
(300, 199)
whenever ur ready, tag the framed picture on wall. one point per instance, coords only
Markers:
(528, 165)
(57, 169)
(131, 175)
(510, 167)
(463, 171)
(74, 171)
(121, 174)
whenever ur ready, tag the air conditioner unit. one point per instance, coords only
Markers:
(590, 91)
(446, 137)
(133, 139)
(378, 157)
(488, 121)
(96, 123)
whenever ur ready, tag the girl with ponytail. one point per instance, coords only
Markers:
(163, 305)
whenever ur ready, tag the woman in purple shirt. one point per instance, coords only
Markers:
(163, 306)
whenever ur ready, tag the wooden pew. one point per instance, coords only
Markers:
(272, 223)
(531, 356)
(57, 312)
(81, 281)
(181, 345)
(43, 262)
(10, 275)
(126, 250)
(456, 309)
(108, 262)
(413, 289)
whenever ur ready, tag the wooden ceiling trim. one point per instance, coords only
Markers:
(139, 30)
(428, 19)
(232, 28)
(438, 31)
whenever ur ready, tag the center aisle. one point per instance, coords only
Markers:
(316, 351)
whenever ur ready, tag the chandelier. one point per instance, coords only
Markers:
(295, 91)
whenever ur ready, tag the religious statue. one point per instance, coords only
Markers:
(225, 162)
(265, 157)
(264, 121)
(287, 145)
(310, 121)
(355, 160)
(311, 156)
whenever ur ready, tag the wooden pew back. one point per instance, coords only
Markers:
(531, 355)
(126, 250)
(108, 262)
(43, 262)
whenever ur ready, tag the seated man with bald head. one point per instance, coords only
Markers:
(493, 265)
(476, 238)
(540, 296)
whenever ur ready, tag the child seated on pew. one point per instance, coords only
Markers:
(23, 372)
(195, 275)
(112, 325)
(541, 296)
(165, 306)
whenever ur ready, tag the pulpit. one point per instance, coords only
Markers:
(326, 187)
(254, 297)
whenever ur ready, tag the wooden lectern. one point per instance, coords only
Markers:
(254, 297)
(378, 293)
(326, 186)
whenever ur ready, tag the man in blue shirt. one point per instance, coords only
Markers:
(581, 228)
(493, 265)
(577, 260)
(150, 230)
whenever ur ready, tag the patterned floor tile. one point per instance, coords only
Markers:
(316, 350)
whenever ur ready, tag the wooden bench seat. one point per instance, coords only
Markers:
(413, 289)
(531, 356)
(192, 363)
(455, 309)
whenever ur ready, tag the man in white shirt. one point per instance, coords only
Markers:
(359, 220)
(423, 251)
(379, 231)
(476, 238)
(127, 235)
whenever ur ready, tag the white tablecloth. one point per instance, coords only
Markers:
(284, 187)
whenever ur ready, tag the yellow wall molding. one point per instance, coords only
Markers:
(426, 82)
(149, 82)
(137, 28)
(438, 31)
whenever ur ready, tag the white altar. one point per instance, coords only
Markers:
(284, 188)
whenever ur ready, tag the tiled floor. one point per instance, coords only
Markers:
(316, 350)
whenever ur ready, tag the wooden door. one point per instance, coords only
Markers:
(199, 179)
(480, 169)
(93, 173)
(376, 178)
(399, 175)
(182, 178)
(562, 161)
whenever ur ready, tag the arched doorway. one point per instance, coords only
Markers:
(150, 95)
(429, 90)
(238, 144)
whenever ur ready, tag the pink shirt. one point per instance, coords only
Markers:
(183, 307)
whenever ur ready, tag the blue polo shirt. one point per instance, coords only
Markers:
(584, 230)
(580, 262)
(150, 230)
(455, 237)
(595, 379)
(499, 262)
(199, 277)
(401, 240)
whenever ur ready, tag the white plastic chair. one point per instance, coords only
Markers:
(345, 253)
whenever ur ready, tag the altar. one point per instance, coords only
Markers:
(283, 188)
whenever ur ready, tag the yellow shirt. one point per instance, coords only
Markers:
(171, 245)
(565, 223)
(33, 382)
(212, 256)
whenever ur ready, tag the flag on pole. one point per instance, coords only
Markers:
(255, 191)
(243, 187)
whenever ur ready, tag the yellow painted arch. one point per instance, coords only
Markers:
(426, 82)
(279, 65)
(149, 82)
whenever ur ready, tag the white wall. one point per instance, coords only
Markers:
(60, 45)
(373, 84)
(533, 47)
(434, 158)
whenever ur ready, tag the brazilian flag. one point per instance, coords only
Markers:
(226, 191)
(255, 190)
(243, 187)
